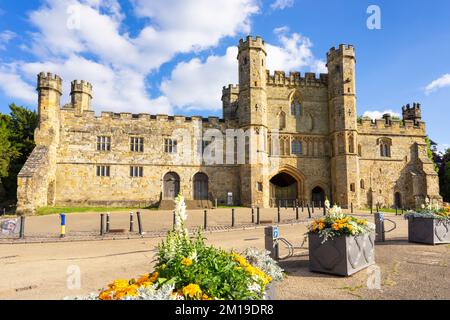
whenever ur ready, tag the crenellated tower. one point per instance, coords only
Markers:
(343, 125)
(81, 94)
(413, 113)
(49, 89)
(252, 115)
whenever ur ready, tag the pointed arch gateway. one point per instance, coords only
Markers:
(286, 187)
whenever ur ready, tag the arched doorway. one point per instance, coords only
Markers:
(283, 190)
(171, 185)
(318, 196)
(200, 186)
(398, 200)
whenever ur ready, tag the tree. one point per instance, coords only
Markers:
(16, 144)
(444, 176)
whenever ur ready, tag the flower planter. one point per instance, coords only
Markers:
(341, 256)
(428, 230)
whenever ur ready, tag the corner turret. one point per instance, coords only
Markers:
(81, 94)
(413, 113)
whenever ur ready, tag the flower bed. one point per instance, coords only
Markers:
(340, 244)
(430, 225)
(188, 269)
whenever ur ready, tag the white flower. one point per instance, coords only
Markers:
(327, 204)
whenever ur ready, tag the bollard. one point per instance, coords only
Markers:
(102, 224)
(285, 204)
(351, 207)
(379, 227)
(205, 219)
(324, 210)
(258, 221)
(271, 243)
(107, 222)
(63, 225)
(396, 210)
(174, 221)
(131, 222)
(139, 222)
(371, 209)
(232, 218)
(22, 227)
(303, 207)
(378, 208)
(312, 207)
(253, 215)
(216, 203)
(278, 215)
(296, 212)
(402, 211)
(309, 211)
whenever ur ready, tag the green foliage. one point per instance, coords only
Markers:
(16, 144)
(183, 262)
(444, 181)
(430, 153)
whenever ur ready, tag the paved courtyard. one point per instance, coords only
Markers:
(40, 270)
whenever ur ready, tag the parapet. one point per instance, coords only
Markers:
(340, 52)
(250, 43)
(232, 88)
(295, 78)
(49, 81)
(394, 126)
(81, 87)
(149, 117)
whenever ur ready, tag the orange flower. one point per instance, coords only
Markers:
(186, 261)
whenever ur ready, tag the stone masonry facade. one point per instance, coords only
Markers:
(304, 131)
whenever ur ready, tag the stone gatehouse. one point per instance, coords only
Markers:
(304, 130)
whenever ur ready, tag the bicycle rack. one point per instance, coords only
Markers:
(291, 248)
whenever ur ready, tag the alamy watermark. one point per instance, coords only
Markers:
(374, 20)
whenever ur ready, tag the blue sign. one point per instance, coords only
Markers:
(275, 232)
(381, 216)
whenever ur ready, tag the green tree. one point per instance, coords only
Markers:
(444, 176)
(16, 144)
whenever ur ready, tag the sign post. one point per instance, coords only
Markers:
(271, 235)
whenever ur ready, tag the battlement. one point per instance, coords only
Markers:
(413, 113)
(232, 88)
(252, 43)
(342, 51)
(127, 116)
(49, 81)
(295, 78)
(81, 87)
(393, 126)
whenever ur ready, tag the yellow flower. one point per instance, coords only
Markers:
(335, 226)
(186, 261)
(105, 295)
(349, 227)
(321, 226)
(192, 290)
(120, 283)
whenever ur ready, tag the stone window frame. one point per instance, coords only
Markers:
(296, 147)
(103, 171)
(137, 144)
(170, 145)
(385, 147)
(136, 171)
(259, 186)
(104, 143)
(352, 187)
(281, 120)
(296, 105)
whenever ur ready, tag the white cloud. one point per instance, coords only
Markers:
(282, 4)
(5, 37)
(13, 86)
(99, 51)
(197, 85)
(294, 53)
(440, 83)
(375, 114)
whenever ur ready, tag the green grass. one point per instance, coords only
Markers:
(385, 210)
(54, 210)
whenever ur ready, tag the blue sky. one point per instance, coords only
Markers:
(171, 56)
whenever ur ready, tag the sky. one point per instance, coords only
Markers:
(174, 57)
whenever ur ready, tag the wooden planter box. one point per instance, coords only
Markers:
(429, 231)
(341, 256)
